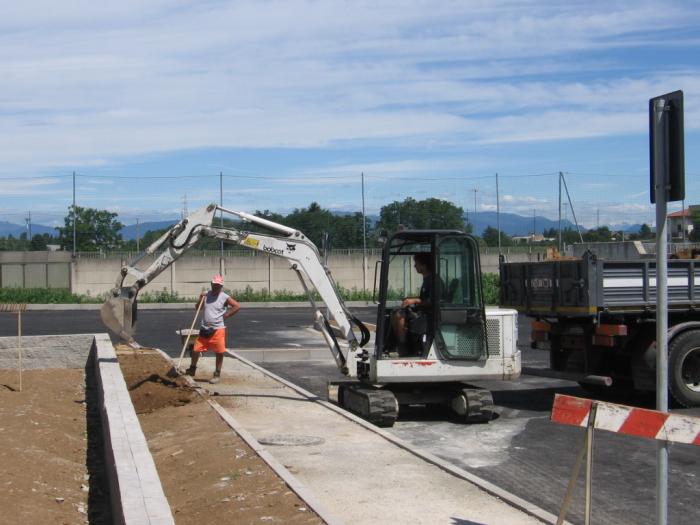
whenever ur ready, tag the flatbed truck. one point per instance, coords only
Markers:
(597, 320)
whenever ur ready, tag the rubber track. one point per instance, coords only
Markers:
(479, 405)
(381, 403)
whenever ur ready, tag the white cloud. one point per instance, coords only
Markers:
(88, 85)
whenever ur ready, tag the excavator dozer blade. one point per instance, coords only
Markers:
(119, 315)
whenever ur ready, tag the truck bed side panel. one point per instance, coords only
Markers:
(587, 286)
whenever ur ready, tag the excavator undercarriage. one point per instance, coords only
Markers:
(381, 405)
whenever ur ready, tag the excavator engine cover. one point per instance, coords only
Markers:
(119, 314)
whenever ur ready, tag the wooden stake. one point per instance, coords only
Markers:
(187, 340)
(19, 345)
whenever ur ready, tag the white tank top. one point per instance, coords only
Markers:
(214, 309)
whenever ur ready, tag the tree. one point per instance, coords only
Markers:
(490, 237)
(312, 221)
(601, 234)
(645, 232)
(40, 241)
(695, 218)
(347, 231)
(146, 239)
(10, 243)
(427, 214)
(95, 230)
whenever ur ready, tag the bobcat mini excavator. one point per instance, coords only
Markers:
(455, 341)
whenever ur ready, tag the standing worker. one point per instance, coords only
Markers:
(218, 306)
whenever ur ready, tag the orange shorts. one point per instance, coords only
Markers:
(216, 343)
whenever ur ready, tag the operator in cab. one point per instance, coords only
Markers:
(413, 311)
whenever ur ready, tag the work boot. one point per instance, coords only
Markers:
(191, 371)
(215, 378)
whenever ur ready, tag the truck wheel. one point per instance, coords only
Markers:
(684, 368)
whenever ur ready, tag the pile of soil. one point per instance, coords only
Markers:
(209, 474)
(44, 476)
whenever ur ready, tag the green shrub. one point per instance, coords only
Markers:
(162, 296)
(491, 283)
(63, 296)
(44, 296)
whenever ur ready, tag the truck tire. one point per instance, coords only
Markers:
(684, 368)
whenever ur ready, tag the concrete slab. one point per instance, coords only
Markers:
(360, 475)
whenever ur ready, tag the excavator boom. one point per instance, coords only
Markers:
(119, 311)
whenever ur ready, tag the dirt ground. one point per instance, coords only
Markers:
(44, 477)
(209, 474)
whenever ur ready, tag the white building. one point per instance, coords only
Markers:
(680, 223)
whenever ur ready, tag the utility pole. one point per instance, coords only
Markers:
(475, 190)
(75, 216)
(498, 216)
(29, 225)
(532, 237)
(221, 221)
(138, 237)
(560, 175)
(364, 237)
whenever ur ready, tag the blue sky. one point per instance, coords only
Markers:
(148, 102)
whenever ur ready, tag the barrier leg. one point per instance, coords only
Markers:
(586, 449)
(589, 462)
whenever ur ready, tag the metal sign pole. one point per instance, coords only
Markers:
(661, 182)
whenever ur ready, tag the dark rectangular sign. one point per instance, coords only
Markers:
(666, 139)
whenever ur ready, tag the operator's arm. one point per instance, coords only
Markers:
(410, 301)
(202, 297)
(233, 307)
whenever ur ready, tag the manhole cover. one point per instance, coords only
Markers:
(290, 440)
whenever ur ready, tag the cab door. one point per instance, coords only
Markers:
(461, 318)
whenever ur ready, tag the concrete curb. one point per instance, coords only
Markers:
(189, 305)
(486, 486)
(135, 489)
(294, 484)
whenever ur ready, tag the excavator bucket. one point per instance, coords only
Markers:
(119, 315)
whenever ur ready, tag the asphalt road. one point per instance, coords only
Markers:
(521, 451)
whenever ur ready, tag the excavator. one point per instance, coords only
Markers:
(454, 341)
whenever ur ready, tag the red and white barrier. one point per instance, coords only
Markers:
(623, 419)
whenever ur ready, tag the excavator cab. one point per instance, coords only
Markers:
(451, 327)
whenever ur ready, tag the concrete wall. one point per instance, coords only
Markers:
(35, 270)
(191, 273)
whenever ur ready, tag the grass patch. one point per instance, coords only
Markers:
(63, 296)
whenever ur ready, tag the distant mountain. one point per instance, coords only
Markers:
(514, 225)
(511, 224)
(626, 227)
(8, 228)
(129, 232)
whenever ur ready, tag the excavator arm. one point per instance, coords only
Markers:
(119, 311)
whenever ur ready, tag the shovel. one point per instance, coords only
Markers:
(176, 371)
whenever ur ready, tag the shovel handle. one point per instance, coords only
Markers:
(189, 334)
